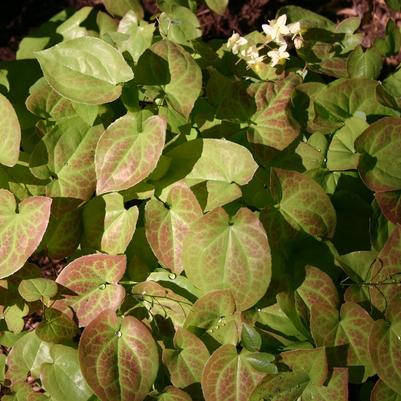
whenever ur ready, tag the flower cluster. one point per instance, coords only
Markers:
(277, 32)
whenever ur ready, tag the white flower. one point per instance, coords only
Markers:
(294, 28)
(298, 42)
(236, 42)
(278, 55)
(276, 29)
(251, 56)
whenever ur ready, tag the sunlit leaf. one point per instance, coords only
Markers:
(21, 229)
(222, 252)
(118, 357)
(128, 152)
(94, 280)
(37, 288)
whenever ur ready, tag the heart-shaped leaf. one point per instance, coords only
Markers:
(93, 278)
(126, 153)
(273, 124)
(56, 327)
(85, 70)
(118, 357)
(185, 363)
(10, 133)
(62, 378)
(167, 223)
(21, 229)
(108, 226)
(385, 346)
(229, 253)
(185, 84)
(37, 288)
(379, 145)
(229, 376)
(303, 203)
(171, 393)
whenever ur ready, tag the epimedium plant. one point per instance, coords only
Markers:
(229, 211)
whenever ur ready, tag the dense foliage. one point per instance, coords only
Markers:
(230, 211)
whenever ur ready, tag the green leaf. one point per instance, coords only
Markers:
(26, 356)
(233, 253)
(66, 155)
(94, 280)
(10, 133)
(167, 223)
(250, 338)
(120, 7)
(273, 124)
(118, 357)
(218, 6)
(384, 346)
(108, 226)
(307, 18)
(262, 362)
(364, 64)
(226, 366)
(186, 361)
(395, 5)
(171, 393)
(137, 35)
(85, 70)
(185, 82)
(14, 316)
(341, 154)
(303, 203)
(381, 392)
(180, 25)
(216, 312)
(36, 289)
(62, 378)
(127, 153)
(46, 103)
(56, 327)
(379, 166)
(21, 229)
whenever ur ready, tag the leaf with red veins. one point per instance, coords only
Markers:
(22, 228)
(381, 392)
(94, 280)
(385, 346)
(318, 288)
(222, 252)
(185, 363)
(390, 205)
(118, 357)
(126, 154)
(228, 376)
(167, 224)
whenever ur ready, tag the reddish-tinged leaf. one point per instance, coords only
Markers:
(126, 153)
(185, 363)
(216, 312)
(174, 394)
(186, 77)
(118, 357)
(352, 327)
(10, 133)
(390, 205)
(222, 252)
(167, 224)
(380, 146)
(381, 392)
(318, 288)
(386, 271)
(385, 346)
(228, 376)
(94, 280)
(303, 203)
(162, 301)
(274, 125)
(21, 229)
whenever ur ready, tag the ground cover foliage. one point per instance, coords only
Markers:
(228, 212)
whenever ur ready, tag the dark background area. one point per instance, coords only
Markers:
(18, 17)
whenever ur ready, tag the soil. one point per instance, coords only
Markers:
(18, 17)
